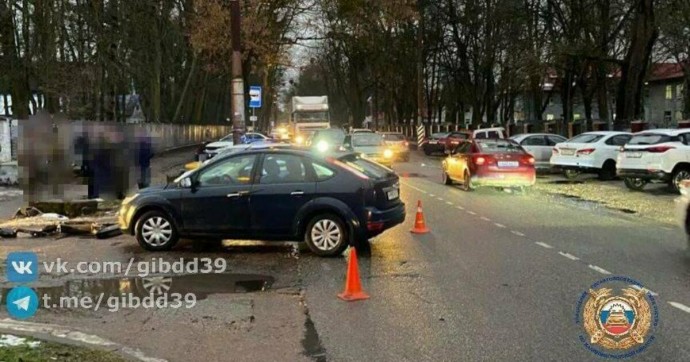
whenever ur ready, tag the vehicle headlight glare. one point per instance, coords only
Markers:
(388, 154)
(322, 146)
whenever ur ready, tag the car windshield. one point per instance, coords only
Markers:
(439, 135)
(499, 146)
(367, 140)
(227, 138)
(330, 136)
(586, 138)
(649, 139)
(393, 137)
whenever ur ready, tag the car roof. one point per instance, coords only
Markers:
(603, 133)
(666, 131)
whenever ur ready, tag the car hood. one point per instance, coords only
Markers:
(152, 190)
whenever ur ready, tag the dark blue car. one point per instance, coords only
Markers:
(329, 201)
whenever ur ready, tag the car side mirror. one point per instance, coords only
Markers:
(186, 183)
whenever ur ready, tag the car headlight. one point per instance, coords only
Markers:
(388, 154)
(129, 199)
(299, 140)
(322, 146)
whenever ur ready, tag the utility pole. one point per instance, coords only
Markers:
(237, 80)
(420, 63)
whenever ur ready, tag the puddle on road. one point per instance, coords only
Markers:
(311, 342)
(201, 285)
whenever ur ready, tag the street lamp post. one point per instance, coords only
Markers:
(237, 80)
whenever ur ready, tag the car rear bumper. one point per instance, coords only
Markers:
(382, 220)
(573, 162)
(435, 147)
(644, 174)
(504, 179)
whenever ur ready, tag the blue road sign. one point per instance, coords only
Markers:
(254, 97)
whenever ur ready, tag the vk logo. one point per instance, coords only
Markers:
(22, 302)
(22, 267)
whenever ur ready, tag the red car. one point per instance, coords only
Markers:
(453, 140)
(489, 162)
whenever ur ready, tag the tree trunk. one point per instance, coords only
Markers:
(185, 89)
(634, 66)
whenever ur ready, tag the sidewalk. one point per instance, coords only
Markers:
(170, 163)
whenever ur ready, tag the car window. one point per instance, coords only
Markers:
(554, 140)
(463, 148)
(650, 139)
(439, 135)
(367, 139)
(394, 137)
(494, 134)
(282, 169)
(498, 146)
(685, 138)
(586, 138)
(534, 141)
(460, 135)
(233, 171)
(322, 172)
(365, 166)
(619, 140)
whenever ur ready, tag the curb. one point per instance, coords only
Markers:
(65, 335)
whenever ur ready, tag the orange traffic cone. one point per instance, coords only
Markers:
(419, 224)
(353, 285)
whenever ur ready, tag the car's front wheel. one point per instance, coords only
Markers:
(446, 179)
(571, 174)
(326, 235)
(679, 175)
(634, 183)
(155, 231)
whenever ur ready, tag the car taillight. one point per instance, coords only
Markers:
(659, 149)
(483, 160)
(586, 151)
(479, 161)
(529, 160)
(406, 143)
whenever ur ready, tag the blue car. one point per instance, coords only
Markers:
(329, 201)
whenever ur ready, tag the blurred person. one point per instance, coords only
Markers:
(143, 157)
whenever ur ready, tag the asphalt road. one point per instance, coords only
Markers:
(498, 278)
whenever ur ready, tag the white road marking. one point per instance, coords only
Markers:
(499, 225)
(600, 270)
(449, 203)
(439, 198)
(432, 195)
(485, 218)
(422, 191)
(667, 228)
(460, 208)
(544, 245)
(517, 233)
(644, 289)
(682, 307)
(568, 255)
(471, 212)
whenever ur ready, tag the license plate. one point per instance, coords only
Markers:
(507, 164)
(633, 155)
(393, 194)
(567, 152)
(433, 142)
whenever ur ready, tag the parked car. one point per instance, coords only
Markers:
(590, 152)
(210, 150)
(361, 130)
(495, 162)
(683, 211)
(398, 143)
(326, 139)
(540, 146)
(435, 143)
(453, 139)
(370, 146)
(329, 201)
(660, 155)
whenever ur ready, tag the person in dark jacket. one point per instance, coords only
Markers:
(144, 155)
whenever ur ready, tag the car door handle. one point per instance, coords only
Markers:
(238, 194)
(297, 193)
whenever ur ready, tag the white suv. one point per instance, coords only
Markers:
(593, 152)
(661, 155)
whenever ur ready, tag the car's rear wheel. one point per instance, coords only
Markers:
(467, 181)
(326, 235)
(679, 174)
(571, 174)
(446, 179)
(155, 231)
(634, 183)
(427, 151)
(608, 171)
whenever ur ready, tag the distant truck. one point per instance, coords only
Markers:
(309, 114)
